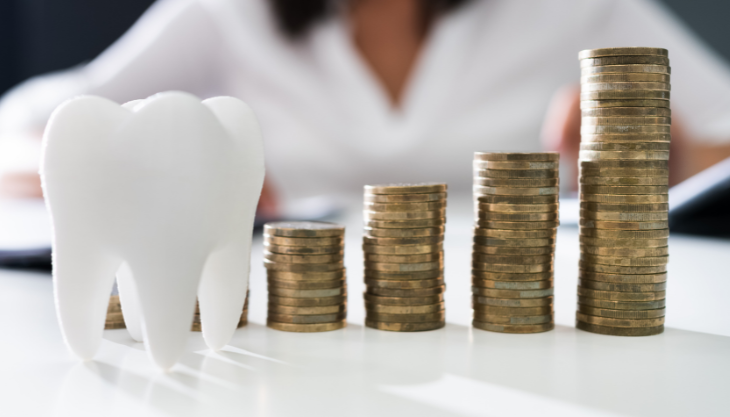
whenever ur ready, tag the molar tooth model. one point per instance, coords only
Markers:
(161, 193)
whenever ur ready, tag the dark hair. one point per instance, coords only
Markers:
(295, 17)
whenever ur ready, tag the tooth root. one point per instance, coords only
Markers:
(167, 287)
(83, 280)
(129, 299)
(222, 293)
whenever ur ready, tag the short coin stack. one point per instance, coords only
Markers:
(514, 241)
(624, 155)
(306, 276)
(404, 258)
(197, 324)
(114, 318)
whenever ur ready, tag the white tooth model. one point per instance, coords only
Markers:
(161, 192)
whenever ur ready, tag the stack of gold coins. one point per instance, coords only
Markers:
(306, 276)
(114, 318)
(404, 256)
(197, 325)
(514, 241)
(624, 157)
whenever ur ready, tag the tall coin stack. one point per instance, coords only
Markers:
(197, 324)
(404, 256)
(114, 318)
(514, 241)
(625, 135)
(306, 276)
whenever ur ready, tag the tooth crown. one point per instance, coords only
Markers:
(162, 193)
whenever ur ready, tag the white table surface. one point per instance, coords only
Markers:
(455, 371)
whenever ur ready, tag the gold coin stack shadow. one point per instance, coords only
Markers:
(197, 325)
(306, 276)
(625, 136)
(514, 241)
(404, 256)
(114, 318)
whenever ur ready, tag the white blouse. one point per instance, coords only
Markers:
(483, 82)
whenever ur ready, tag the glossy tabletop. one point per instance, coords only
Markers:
(455, 371)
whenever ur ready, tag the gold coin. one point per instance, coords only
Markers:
(623, 51)
(513, 269)
(624, 243)
(514, 328)
(612, 322)
(303, 259)
(307, 311)
(405, 224)
(515, 165)
(402, 250)
(319, 293)
(407, 276)
(487, 292)
(515, 234)
(419, 232)
(625, 234)
(411, 292)
(407, 318)
(624, 60)
(307, 285)
(622, 314)
(626, 260)
(305, 276)
(517, 225)
(306, 328)
(304, 250)
(628, 111)
(389, 207)
(599, 224)
(520, 259)
(299, 241)
(304, 229)
(632, 102)
(622, 296)
(517, 217)
(425, 283)
(322, 318)
(610, 286)
(625, 190)
(519, 208)
(427, 257)
(630, 68)
(622, 305)
(513, 311)
(518, 182)
(493, 319)
(478, 302)
(387, 241)
(624, 199)
(626, 95)
(481, 171)
(403, 301)
(625, 181)
(511, 285)
(517, 199)
(307, 302)
(621, 217)
(619, 252)
(627, 208)
(613, 130)
(404, 327)
(404, 215)
(517, 156)
(626, 78)
(485, 190)
(402, 309)
(501, 276)
(277, 266)
(114, 325)
(513, 251)
(405, 188)
(637, 155)
(620, 331)
(514, 243)
(624, 86)
(629, 270)
(625, 121)
(623, 172)
(660, 138)
(397, 267)
(624, 164)
(404, 198)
